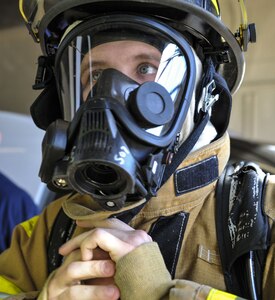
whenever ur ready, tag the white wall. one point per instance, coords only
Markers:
(254, 104)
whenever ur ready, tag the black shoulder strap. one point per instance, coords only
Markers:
(242, 228)
(61, 232)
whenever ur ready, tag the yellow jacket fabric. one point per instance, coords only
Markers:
(198, 273)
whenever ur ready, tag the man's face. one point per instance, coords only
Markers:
(137, 60)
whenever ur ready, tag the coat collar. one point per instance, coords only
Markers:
(193, 167)
(168, 199)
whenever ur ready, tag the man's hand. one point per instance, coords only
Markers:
(91, 259)
(78, 279)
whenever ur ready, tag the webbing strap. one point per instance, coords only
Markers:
(61, 232)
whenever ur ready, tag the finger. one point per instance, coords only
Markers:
(109, 292)
(97, 237)
(98, 254)
(73, 256)
(90, 269)
(107, 223)
(73, 244)
(107, 241)
(77, 271)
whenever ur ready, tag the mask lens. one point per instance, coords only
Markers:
(137, 60)
(139, 52)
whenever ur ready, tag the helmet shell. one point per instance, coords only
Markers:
(48, 20)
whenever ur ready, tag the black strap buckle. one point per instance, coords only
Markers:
(44, 73)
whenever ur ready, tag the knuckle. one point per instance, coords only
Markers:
(96, 268)
(139, 237)
(103, 268)
(97, 232)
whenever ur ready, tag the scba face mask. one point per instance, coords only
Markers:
(125, 84)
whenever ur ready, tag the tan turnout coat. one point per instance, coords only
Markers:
(23, 267)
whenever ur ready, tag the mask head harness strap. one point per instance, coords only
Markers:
(215, 96)
(213, 87)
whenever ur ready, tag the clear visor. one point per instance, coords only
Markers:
(141, 53)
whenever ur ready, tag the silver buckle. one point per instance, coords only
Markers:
(209, 99)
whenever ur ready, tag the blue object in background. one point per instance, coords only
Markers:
(16, 206)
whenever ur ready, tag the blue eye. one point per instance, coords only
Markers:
(96, 74)
(145, 69)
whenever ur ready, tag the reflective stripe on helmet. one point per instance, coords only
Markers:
(22, 11)
(216, 5)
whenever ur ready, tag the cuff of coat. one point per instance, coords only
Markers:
(186, 289)
(142, 274)
(44, 293)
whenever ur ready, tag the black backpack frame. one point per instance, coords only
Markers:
(242, 228)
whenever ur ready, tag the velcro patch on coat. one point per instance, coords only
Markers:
(168, 232)
(196, 176)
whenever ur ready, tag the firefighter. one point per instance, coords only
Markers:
(136, 102)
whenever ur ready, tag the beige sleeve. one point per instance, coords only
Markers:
(142, 274)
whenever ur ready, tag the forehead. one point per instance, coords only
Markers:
(122, 50)
(129, 45)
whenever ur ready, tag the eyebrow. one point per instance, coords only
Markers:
(102, 63)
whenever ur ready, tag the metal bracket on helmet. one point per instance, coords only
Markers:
(219, 56)
(246, 32)
(208, 98)
(246, 35)
(32, 33)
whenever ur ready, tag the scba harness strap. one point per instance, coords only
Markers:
(242, 228)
